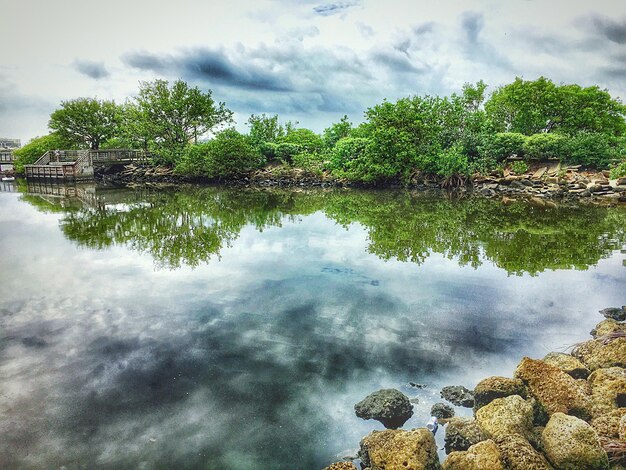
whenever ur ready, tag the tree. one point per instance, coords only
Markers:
(173, 116)
(85, 121)
(337, 131)
(264, 128)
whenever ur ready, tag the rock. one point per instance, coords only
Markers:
(608, 326)
(461, 434)
(622, 428)
(570, 443)
(568, 364)
(389, 406)
(399, 449)
(442, 411)
(341, 466)
(554, 389)
(505, 416)
(620, 181)
(608, 390)
(539, 173)
(518, 454)
(458, 395)
(608, 424)
(482, 456)
(597, 353)
(491, 388)
(614, 313)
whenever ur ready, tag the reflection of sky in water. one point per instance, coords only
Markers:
(255, 360)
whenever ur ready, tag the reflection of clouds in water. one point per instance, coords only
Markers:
(257, 360)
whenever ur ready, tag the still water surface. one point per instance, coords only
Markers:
(221, 329)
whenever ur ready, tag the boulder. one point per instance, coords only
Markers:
(608, 326)
(458, 395)
(622, 428)
(597, 353)
(571, 443)
(568, 364)
(389, 406)
(442, 411)
(399, 449)
(614, 313)
(482, 456)
(554, 389)
(608, 424)
(608, 390)
(341, 466)
(506, 416)
(491, 388)
(518, 454)
(461, 434)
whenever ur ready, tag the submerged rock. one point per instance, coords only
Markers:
(491, 388)
(399, 449)
(568, 364)
(608, 390)
(518, 454)
(389, 406)
(614, 313)
(461, 434)
(505, 416)
(482, 456)
(554, 389)
(571, 443)
(458, 395)
(441, 411)
(598, 353)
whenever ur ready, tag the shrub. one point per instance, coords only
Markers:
(452, 162)
(313, 162)
(502, 145)
(228, 154)
(619, 171)
(346, 151)
(305, 139)
(543, 146)
(285, 151)
(519, 167)
(591, 150)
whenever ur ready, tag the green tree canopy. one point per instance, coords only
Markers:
(34, 149)
(171, 117)
(85, 121)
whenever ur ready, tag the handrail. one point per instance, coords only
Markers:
(82, 162)
(44, 159)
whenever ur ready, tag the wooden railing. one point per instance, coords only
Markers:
(117, 155)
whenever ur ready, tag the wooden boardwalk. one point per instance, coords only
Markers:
(64, 165)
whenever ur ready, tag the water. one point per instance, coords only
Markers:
(222, 329)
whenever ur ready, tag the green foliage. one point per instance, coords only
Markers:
(337, 131)
(228, 154)
(619, 171)
(34, 149)
(311, 162)
(591, 149)
(502, 145)
(544, 146)
(532, 107)
(519, 167)
(452, 162)
(170, 117)
(265, 129)
(85, 121)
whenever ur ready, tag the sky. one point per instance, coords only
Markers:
(309, 61)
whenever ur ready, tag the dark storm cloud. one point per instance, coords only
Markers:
(333, 8)
(396, 60)
(91, 69)
(609, 28)
(472, 23)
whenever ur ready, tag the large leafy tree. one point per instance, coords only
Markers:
(171, 117)
(85, 121)
(531, 107)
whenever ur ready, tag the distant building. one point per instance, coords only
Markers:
(10, 143)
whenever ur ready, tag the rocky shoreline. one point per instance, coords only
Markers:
(545, 183)
(562, 412)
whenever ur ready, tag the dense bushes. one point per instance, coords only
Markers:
(544, 146)
(34, 149)
(227, 155)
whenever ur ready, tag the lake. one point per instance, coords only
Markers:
(236, 329)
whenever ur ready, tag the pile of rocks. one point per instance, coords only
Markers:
(138, 174)
(565, 411)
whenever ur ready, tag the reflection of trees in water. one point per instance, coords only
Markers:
(189, 226)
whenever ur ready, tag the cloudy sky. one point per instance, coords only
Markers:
(311, 61)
